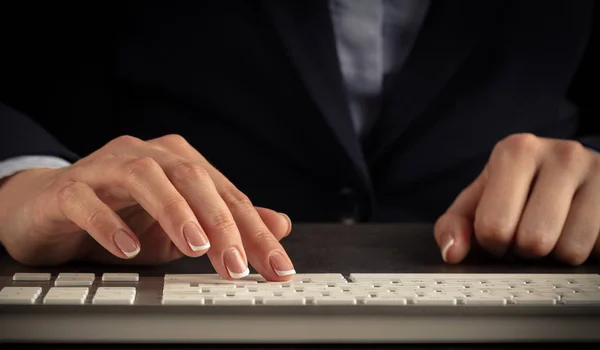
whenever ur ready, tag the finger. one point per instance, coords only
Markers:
(546, 210)
(144, 180)
(263, 250)
(582, 227)
(79, 204)
(454, 229)
(227, 253)
(278, 223)
(189, 178)
(596, 250)
(511, 170)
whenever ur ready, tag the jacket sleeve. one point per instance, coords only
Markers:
(585, 91)
(21, 136)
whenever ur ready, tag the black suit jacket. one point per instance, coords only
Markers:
(255, 86)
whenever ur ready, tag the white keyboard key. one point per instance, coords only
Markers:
(432, 300)
(384, 301)
(182, 292)
(116, 294)
(18, 299)
(72, 282)
(271, 300)
(115, 289)
(80, 276)
(64, 299)
(206, 288)
(63, 290)
(191, 277)
(534, 300)
(183, 300)
(74, 279)
(181, 286)
(19, 295)
(120, 277)
(21, 291)
(108, 301)
(113, 299)
(233, 300)
(33, 277)
(349, 300)
(318, 277)
(489, 301)
(193, 290)
(581, 299)
(212, 279)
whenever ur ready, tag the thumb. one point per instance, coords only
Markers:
(454, 229)
(279, 224)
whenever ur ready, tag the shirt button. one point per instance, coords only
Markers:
(346, 191)
(348, 221)
(349, 206)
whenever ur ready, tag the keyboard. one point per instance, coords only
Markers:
(311, 308)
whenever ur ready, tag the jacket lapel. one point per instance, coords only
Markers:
(449, 33)
(306, 31)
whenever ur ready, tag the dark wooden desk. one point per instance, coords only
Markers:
(345, 249)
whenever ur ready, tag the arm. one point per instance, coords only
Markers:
(25, 145)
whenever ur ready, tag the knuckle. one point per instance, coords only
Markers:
(222, 221)
(263, 238)
(235, 198)
(535, 242)
(172, 209)
(188, 172)
(517, 144)
(175, 140)
(570, 152)
(491, 229)
(140, 166)
(126, 141)
(69, 191)
(98, 218)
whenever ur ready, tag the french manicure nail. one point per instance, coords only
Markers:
(235, 264)
(288, 220)
(126, 244)
(281, 265)
(195, 238)
(447, 242)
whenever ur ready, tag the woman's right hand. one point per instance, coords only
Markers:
(148, 202)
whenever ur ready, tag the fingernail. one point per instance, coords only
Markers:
(289, 222)
(195, 238)
(127, 244)
(447, 241)
(282, 265)
(235, 264)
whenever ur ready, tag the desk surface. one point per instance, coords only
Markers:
(318, 248)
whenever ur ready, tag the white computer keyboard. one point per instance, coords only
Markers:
(303, 289)
(311, 308)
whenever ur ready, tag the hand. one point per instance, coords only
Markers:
(149, 201)
(539, 197)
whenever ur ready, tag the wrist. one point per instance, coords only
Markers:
(16, 191)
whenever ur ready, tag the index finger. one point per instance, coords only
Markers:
(262, 248)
